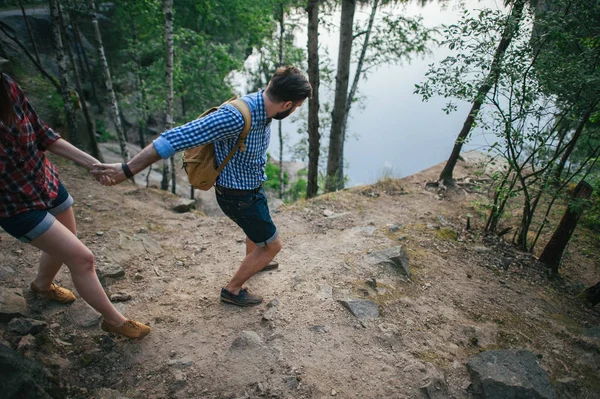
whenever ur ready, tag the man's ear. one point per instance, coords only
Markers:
(287, 105)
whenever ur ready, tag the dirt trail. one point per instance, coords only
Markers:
(459, 301)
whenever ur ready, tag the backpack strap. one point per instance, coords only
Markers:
(241, 143)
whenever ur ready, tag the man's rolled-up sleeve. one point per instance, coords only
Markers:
(224, 123)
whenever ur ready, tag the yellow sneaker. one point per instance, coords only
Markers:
(56, 293)
(129, 329)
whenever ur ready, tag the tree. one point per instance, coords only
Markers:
(30, 33)
(341, 93)
(313, 103)
(512, 26)
(90, 126)
(63, 75)
(112, 98)
(168, 11)
(553, 251)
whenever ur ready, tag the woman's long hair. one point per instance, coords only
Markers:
(7, 112)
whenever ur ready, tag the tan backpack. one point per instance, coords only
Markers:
(200, 162)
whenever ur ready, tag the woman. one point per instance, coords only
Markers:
(32, 199)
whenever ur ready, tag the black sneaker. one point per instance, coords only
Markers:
(244, 298)
(271, 266)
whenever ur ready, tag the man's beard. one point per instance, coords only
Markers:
(281, 115)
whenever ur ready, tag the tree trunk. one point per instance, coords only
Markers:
(354, 87)
(90, 126)
(30, 33)
(168, 10)
(573, 142)
(512, 26)
(65, 92)
(84, 59)
(341, 94)
(553, 252)
(313, 103)
(112, 98)
(279, 124)
(591, 295)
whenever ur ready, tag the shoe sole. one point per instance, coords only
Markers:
(244, 305)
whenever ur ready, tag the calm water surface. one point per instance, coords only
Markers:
(396, 133)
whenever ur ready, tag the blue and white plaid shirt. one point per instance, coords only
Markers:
(245, 170)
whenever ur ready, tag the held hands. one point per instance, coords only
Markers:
(108, 174)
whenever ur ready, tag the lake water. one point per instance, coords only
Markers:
(395, 133)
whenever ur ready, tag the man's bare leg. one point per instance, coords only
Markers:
(254, 262)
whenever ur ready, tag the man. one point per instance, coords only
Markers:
(238, 188)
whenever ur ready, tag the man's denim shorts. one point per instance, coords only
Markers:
(251, 212)
(29, 225)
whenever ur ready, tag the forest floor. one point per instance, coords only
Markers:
(467, 293)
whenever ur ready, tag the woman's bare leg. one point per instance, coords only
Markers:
(61, 245)
(50, 265)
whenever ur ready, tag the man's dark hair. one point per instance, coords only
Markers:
(288, 84)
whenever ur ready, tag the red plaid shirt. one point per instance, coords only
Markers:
(27, 178)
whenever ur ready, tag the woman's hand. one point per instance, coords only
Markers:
(108, 174)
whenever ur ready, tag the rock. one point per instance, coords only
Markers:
(272, 303)
(246, 340)
(138, 277)
(371, 283)
(112, 270)
(567, 388)
(26, 343)
(184, 362)
(319, 329)
(23, 378)
(99, 233)
(333, 392)
(83, 315)
(436, 388)
(361, 308)
(394, 257)
(291, 382)
(394, 228)
(441, 220)
(24, 326)
(12, 303)
(327, 213)
(56, 362)
(481, 249)
(107, 393)
(269, 314)
(6, 272)
(509, 374)
(593, 332)
(183, 205)
(120, 297)
(325, 292)
(366, 231)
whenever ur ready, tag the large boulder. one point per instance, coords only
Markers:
(22, 378)
(505, 374)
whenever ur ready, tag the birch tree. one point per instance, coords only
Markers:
(112, 98)
(168, 11)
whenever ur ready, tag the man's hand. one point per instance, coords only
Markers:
(108, 174)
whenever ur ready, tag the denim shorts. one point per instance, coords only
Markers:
(251, 212)
(29, 225)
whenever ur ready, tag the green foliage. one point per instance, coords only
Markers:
(591, 215)
(102, 134)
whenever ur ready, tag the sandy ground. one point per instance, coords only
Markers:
(467, 293)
